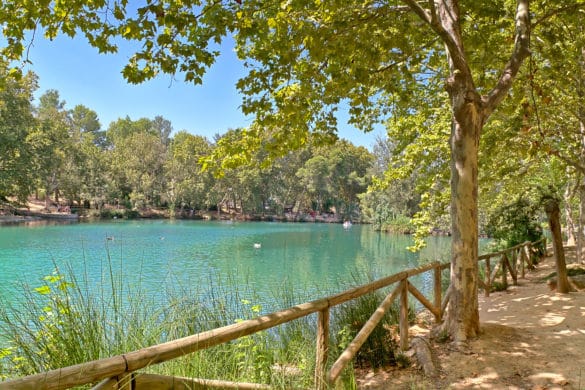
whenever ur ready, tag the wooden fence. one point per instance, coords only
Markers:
(121, 372)
(513, 261)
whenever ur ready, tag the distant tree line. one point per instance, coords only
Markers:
(64, 156)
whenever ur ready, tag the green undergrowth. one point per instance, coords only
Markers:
(576, 271)
(67, 320)
(381, 347)
(496, 284)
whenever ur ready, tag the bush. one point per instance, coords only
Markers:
(515, 223)
(106, 213)
(400, 224)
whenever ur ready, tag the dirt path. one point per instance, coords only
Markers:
(532, 338)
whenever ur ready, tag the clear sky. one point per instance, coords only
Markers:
(82, 76)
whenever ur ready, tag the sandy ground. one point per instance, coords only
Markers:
(531, 338)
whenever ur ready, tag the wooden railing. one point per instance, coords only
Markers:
(513, 261)
(121, 372)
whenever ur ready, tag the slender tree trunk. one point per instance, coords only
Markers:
(580, 252)
(581, 225)
(571, 230)
(553, 213)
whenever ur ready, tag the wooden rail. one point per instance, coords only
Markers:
(513, 261)
(121, 372)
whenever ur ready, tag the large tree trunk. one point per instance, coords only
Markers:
(462, 320)
(553, 213)
(463, 316)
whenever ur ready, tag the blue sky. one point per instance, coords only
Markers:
(82, 76)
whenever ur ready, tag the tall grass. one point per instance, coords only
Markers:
(66, 320)
(380, 349)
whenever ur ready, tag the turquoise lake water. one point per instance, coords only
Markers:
(156, 256)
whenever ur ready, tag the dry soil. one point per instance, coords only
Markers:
(531, 338)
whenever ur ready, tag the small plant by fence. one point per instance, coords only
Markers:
(122, 371)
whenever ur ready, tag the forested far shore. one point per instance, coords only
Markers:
(36, 209)
(63, 158)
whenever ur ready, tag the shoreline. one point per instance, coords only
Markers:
(24, 216)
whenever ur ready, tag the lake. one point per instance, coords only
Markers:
(157, 256)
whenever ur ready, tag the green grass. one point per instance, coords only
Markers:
(67, 320)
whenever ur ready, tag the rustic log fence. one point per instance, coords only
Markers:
(121, 372)
(514, 261)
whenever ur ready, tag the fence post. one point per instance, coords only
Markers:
(504, 261)
(488, 277)
(404, 314)
(322, 350)
(513, 268)
(438, 291)
(523, 259)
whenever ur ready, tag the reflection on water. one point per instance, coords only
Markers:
(33, 221)
(159, 256)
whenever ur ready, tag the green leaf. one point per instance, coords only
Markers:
(43, 290)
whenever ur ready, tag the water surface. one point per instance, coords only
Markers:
(156, 256)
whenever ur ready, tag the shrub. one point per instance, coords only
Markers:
(400, 224)
(106, 213)
(515, 223)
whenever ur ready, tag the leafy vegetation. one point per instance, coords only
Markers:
(570, 272)
(66, 320)
(137, 165)
(380, 348)
(515, 223)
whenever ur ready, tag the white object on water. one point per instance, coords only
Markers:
(257, 245)
(347, 224)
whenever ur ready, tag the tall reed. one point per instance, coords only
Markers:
(69, 319)
(66, 320)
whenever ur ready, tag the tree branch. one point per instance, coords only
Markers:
(420, 11)
(448, 32)
(520, 52)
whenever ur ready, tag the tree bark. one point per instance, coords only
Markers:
(571, 227)
(580, 252)
(463, 318)
(553, 213)
(580, 233)
(571, 230)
